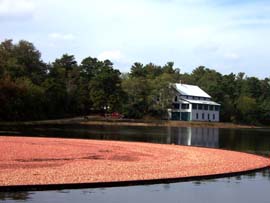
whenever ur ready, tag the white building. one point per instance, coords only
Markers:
(191, 103)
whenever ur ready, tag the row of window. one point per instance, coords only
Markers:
(205, 107)
(208, 116)
(196, 106)
(190, 97)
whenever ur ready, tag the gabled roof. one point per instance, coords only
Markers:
(190, 90)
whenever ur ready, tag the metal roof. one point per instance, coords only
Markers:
(191, 90)
(193, 101)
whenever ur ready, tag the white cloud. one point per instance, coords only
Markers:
(16, 8)
(111, 55)
(231, 56)
(207, 48)
(60, 36)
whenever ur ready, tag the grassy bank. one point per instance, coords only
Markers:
(97, 120)
(168, 123)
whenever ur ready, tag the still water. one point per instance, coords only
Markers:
(254, 187)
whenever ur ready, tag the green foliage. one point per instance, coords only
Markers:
(137, 89)
(248, 109)
(148, 90)
(265, 111)
(137, 70)
(22, 60)
(31, 89)
(90, 67)
(20, 99)
(161, 94)
(105, 88)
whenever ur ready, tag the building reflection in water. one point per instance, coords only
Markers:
(206, 137)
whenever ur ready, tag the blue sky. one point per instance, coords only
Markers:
(226, 35)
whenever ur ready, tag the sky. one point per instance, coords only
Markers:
(225, 35)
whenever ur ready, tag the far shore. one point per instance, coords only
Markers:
(98, 120)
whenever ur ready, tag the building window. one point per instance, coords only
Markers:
(197, 116)
(176, 106)
(208, 117)
(203, 116)
(175, 98)
(216, 108)
(194, 106)
(214, 116)
(200, 106)
(205, 106)
(185, 106)
(211, 107)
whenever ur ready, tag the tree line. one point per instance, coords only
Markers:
(31, 89)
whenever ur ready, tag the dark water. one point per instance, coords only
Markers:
(254, 187)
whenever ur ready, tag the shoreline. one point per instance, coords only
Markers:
(128, 122)
(168, 124)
